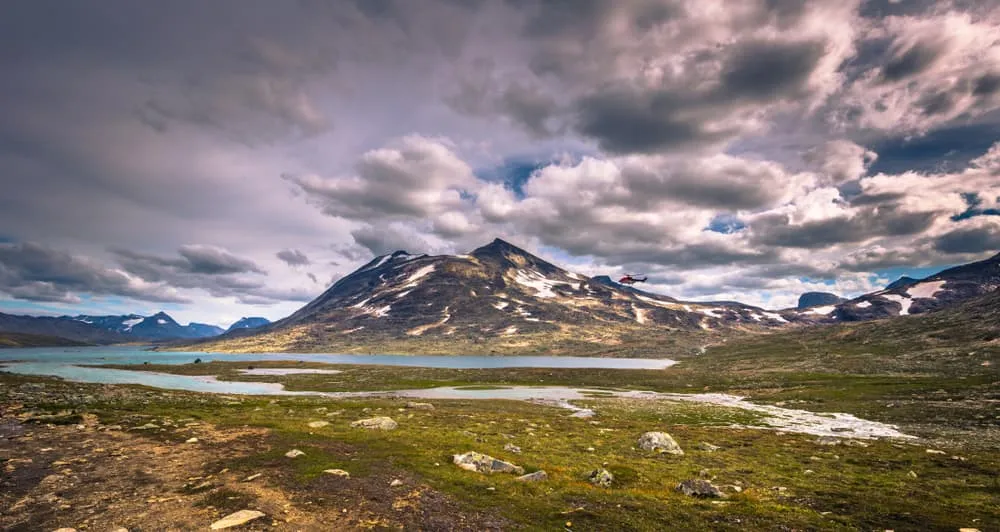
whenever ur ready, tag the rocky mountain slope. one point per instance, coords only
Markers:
(248, 323)
(909, 296)
(498, 296)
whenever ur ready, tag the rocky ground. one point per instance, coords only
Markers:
(62, 469)
(105, 457)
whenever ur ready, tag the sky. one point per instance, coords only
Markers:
(234, 158)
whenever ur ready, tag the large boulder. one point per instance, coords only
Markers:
(697, 487)
(660, 442)
(601, 477)
(482, 463)
(376, 423)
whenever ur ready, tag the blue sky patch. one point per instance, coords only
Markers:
(726, 224)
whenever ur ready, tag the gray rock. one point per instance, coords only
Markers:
(537, 476)
(376, 423)
(697, 487)
(707, 447)
(419, 406)
(395, 482)
(337, 472)
(318, 424)
(828, 440)
(479, 462)
(659, 441)
(236, 519)
(601, 477)
(294, 453)
(511, 448)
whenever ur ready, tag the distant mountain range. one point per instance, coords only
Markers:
(916, 296)
(501, 299)
(127, 328)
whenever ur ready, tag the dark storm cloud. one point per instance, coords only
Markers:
(986, 85)
(944, 149)
(212, 260)
(626, 120)
(969, 240)
(775, 230)
(293, 257)
(34, 271)
(770, 69)
(912, 60)
(213, 270)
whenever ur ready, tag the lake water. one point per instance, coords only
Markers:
(69, 364)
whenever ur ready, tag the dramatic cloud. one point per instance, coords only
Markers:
(36, 272)
(293, 257)
(729, 149)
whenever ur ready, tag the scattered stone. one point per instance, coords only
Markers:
(697, 487)
(236, 519)
(590, 449)
(511, 448)
(395, 482)
(120, 529)
(294, 453)
(968, 530)
(378, 423)
(65, 530)
(828, 440)
(479, 462)
(148, 426)
(601, 477)
(537, 476)
(912, 474)
(318, 424)
(337, 472)
(935, 451)
(659, 441)
(419, 406)
(707, 447)
(808, 472)
(191, 440)
(253, 477)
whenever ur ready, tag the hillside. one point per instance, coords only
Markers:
(35, 340)
(497, 299)
(908, 296)
(963, 339)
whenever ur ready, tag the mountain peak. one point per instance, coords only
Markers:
(498, 246)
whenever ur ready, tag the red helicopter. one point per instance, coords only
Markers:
(632, 279)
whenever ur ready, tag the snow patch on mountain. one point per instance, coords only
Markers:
(863, 304)
(542, 285)
(413, 279)
(925, 290)
(501, 305)
(824, 310)
(903, 302)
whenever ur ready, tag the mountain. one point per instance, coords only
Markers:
(60, 327)
(248, 323)
(203, 330)
(815, 299)
(107, 329)
(908, 296)
(497, 298)
(161, 326)
(902, 282)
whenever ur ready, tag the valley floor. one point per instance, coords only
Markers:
(97, 457)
